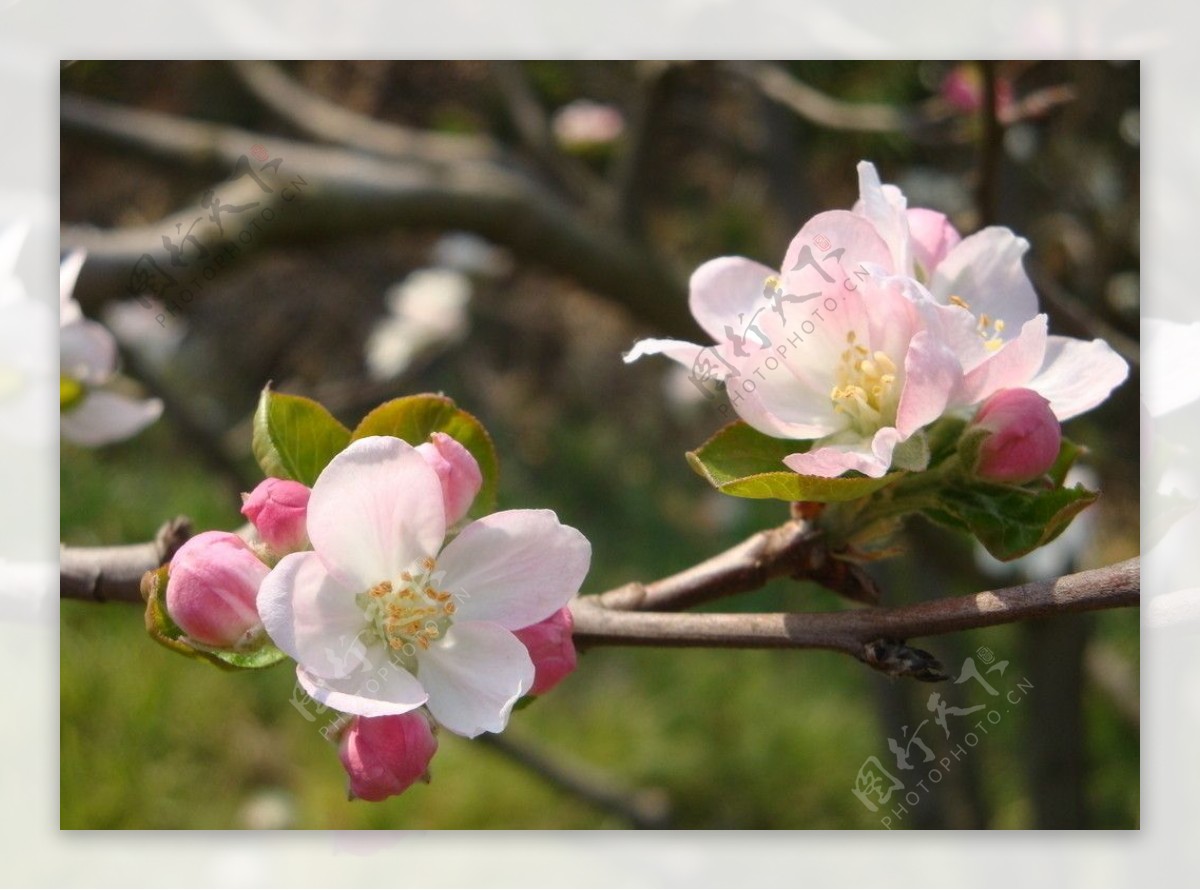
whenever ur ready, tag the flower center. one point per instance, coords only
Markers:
(411, 612)
(70, 390)
(866, 387)
(989, 328)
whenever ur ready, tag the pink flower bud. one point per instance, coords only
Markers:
(460, 474)
(552, 649)
(212, 584)
(385, 755)
(1024, 439)
(279, 509)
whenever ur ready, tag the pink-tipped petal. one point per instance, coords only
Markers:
(1012, 365)
(831, 249)
(515, 568)
(458, 472)
(931, 375)
(375, 509)
(871, 458)
(933, 237)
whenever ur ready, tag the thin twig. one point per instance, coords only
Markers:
(825, 111)
(646, 808)
(851, 631)
(533, 126)
(322, 119)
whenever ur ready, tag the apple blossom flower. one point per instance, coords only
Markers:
(1019, 436)
(846, 346)
(552, 649)
(383, 617)
(278, 509)
(426, 312)
(458, 472)
(212, 583)
(383, 756)
(92, 415)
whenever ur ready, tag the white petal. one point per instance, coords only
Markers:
(986, 271)
(724, 293)
(68, 274)
(382, 689)
(1078, 375)
(87, 351)
(703, 362)
(104, 417)
(1013, 365)
(884, 206)
(515, 568)
(311, 616)
(375, 509)
(474, 675)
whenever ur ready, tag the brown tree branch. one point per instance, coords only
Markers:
(104, 574)
(853, 631)
(327, 121)
(346, 193)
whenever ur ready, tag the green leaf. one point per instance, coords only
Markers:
(166, 632)
(741, 461)
(295, 437)
(1009, 521)
(414, 418)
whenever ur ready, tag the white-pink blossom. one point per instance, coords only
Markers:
(383, 616)
(91, 414)
(880, 320)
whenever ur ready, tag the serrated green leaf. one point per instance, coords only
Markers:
(165, 631)
(741, 461)
(414, 418)
(294, 437)
(1009, 521)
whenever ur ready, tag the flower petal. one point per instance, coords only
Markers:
(105, 417)
(705, 362)
(474, 676)
(515, 568)
(986, 271)
(931, 376)
(1078, 375)
(1010, 366)
(375, 509)
(724, 290)
(932, 238)
(68, 274)
(870, 457)
(841, 245)
(372, 692)
(311, 616)
(87, 351)
(884, 206)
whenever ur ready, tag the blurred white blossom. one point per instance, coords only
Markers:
(91, 413)
(427, 311)
(468, 253)
(584, 123)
